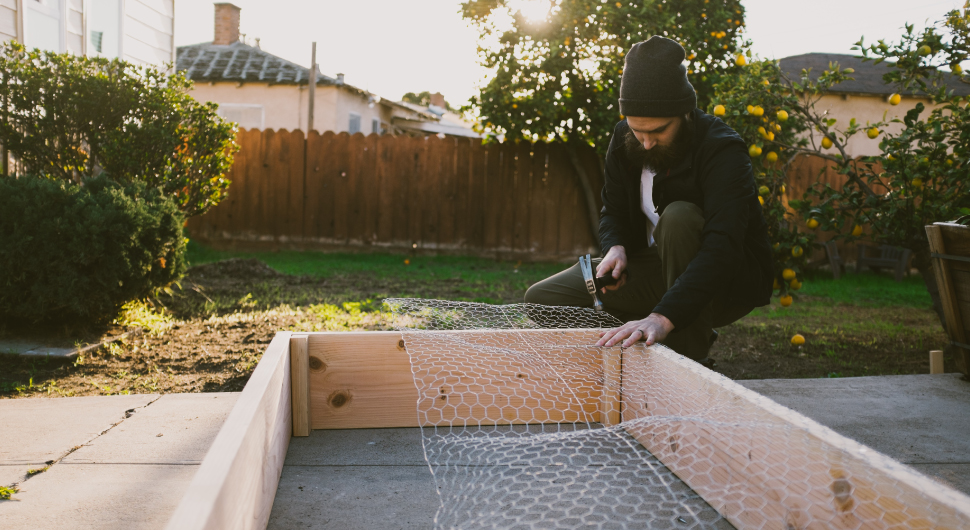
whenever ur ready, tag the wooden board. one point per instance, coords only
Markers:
(761, 465)
(236, 484)
(300, 384)
(365, 380)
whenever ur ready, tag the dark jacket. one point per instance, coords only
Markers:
(734, 261)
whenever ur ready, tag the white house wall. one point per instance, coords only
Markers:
(8, 20)
(865, 109)
(74, 27)
(286, 106)
(149, 28)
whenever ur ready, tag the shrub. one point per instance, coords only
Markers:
(78, 252)
(70, 117)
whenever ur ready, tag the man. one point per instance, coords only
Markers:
(681, 223)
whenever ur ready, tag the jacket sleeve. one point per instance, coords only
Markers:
(614, 216)
(729, 195)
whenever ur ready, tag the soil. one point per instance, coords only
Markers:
(222, 316)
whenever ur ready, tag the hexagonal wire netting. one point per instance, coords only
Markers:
(511, 431)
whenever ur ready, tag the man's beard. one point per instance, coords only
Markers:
(662, 157)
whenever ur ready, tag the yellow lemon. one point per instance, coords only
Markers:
(797, 251)
(782, 189)
(741, 60)
(894, 99)
(788, 275)
(826, 142)
(765, 82)
(770, 136)
(873, 133)
(771, 156)
(795, 284)
(890, 157)
(776, 285)
(754, 151)
(758, 111)
(750, 109)
(761, 200)
(782, 115)
(776, 127)
(857, 231)
(797, 340)
(719, 110)
(917, 182)
(785, 300)
(925, 50)
(763, 190)
(812, 223)
(949, 161)
(762, 132)
(957, 69)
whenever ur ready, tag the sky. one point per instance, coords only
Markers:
(390, 47)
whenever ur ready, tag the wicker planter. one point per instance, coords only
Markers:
(950, 252)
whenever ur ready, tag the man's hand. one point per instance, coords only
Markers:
(614, 263)
(653, 329)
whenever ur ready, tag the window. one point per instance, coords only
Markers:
(104, 27)
(375, 125)
(245, 116)
(43, 25)
(354, 126)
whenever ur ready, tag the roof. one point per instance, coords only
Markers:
(432, 127)
(241, 63)
(867, 75)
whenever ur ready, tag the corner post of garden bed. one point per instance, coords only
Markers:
(300, 383)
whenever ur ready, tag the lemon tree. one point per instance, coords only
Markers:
(754, 99)
(556, 75)
(921, 176)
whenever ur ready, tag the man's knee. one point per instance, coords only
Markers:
(680, 219)
(535, 294)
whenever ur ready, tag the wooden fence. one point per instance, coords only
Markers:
(511, 200)
(398, 193)
(807, 170)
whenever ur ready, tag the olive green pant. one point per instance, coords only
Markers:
(650, 273)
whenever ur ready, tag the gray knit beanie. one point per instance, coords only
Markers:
(654, 81)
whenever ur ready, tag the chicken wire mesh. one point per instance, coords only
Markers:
(521, 431)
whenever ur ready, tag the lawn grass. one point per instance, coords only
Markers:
(394, 275)
(867, 289)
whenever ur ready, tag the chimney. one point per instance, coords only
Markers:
(227, 24)
(340, 79)
(437, 100)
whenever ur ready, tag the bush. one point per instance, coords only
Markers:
(77, 253)
(71, 117)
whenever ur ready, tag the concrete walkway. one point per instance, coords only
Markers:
(378, 478)
(920, 420)
(115, 461)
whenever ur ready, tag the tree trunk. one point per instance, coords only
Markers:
(589, 194)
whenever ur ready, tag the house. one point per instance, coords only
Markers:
(448, 123)
(259, 90)
(138, 31)
(864, 98)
